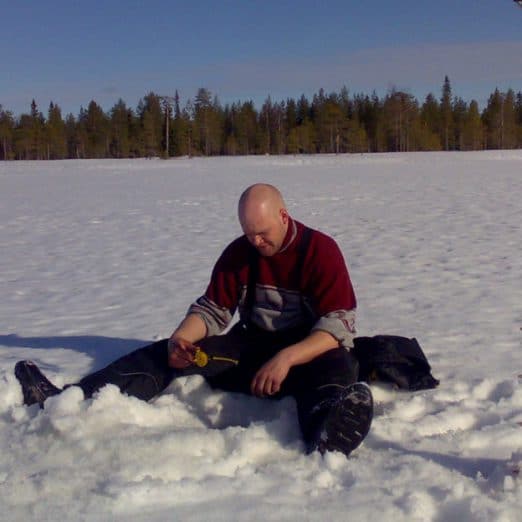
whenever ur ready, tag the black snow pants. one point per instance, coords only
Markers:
(315, 385)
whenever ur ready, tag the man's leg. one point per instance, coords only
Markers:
(334, 410)
(143, 373)
(248, 350)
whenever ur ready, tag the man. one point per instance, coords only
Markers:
(297, 310)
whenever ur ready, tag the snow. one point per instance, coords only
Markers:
(101, 257)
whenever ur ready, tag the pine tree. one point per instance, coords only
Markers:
(473, 131)
(37, 132)
(430, 123)
(152, 126)
(369, 112)
(96, 125)
(290, 124)
(518, 113)
(446, 114)
(120, 123)
(493, 118)
(246, 128)
(29, 135)
(202, 111)
(303, 110)
(150, 139)
(269, 121)
(354, 137)
(460, 112)
(55, 133)
(509, 133)
(265, 120)
(400, 111)
(34, 133)
(329, 122)
(217, 124)
(72, 137)
(280, 130)
(305, 136)
(177, 127)
(177, 110)
(184, 131)
(7, 125)
(208, 122)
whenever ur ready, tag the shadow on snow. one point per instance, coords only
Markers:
(469, 467)
(102, 350)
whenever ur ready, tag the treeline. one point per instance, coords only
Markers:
(329, 123)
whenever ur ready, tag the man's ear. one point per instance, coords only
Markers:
(284, 216)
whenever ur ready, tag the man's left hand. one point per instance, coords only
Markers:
(270, 376)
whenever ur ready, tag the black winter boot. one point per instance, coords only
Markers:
(36, 387)
(347, 421)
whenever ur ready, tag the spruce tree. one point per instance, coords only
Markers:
(493, 119)
(518, 112)
(7, 125)
(460, 111)
(246, 128)
(202, 118)
(430, 116)
(152, 125)
(120, 124)
(446, 114)
(473, 132)
(72, 137)
(400, 112)
(509, 131)
(36, 133)
(265, 127)
(55, 133)
(96, 124)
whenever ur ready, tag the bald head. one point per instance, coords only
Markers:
(263, 217)
(260, 197)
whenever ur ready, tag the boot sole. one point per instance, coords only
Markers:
(36, 387)
(348, 421)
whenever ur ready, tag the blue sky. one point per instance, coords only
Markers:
(71, 51)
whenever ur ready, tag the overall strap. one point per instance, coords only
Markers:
(253, 274)
(303, 249)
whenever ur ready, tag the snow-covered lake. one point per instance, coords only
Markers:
(100, 257)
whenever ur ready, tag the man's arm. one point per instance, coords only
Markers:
(270, 376)
(212, 312)
(181, 347)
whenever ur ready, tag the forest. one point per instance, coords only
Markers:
(337, 122)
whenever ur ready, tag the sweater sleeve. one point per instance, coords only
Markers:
(331, 292)
(217, 306)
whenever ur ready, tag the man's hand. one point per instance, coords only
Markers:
(271, 375)
(181, 352)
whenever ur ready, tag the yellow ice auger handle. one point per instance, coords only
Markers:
(202, 358)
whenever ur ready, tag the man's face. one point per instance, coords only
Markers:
(266, 233)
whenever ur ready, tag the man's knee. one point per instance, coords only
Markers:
(336, 366)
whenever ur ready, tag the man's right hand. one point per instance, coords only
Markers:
(181, 352)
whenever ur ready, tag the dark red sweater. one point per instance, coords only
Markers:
(320, 296)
